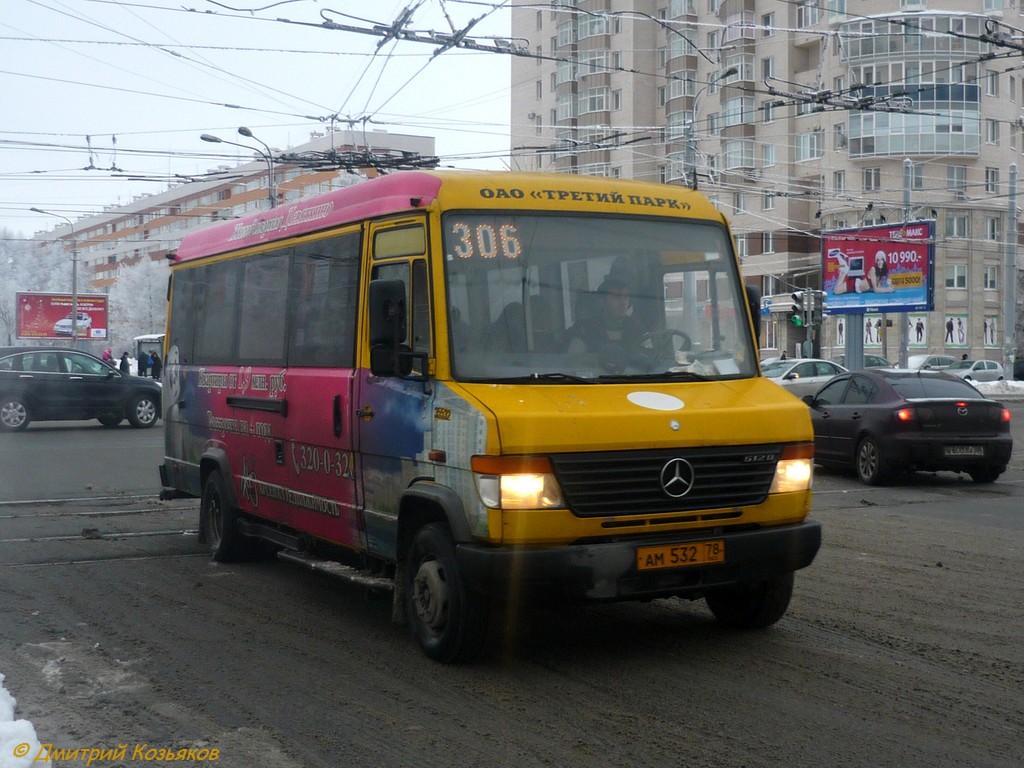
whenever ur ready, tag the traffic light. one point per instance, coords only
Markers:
(796, 309)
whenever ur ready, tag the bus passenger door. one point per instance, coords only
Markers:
(393, 413)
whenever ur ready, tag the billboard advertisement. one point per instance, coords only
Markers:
(48, 316)
(888, 268)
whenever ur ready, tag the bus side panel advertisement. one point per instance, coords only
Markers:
(879, 269)
(48, 315)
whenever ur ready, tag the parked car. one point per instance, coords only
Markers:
(1018, 369)
(977, 370)
(51, 384)
(801, 376)
(929, 362)
(63, 326)
(878, 422)
(870, 361)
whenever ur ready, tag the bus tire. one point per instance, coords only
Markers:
(219, 523)
(752, 606)
(449, 622)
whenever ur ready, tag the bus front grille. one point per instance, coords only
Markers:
(660, 481)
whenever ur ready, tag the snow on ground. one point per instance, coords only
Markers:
(19, 745)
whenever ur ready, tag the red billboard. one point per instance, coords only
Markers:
(48, 316)
(887, 268)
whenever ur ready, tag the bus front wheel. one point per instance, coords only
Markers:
(752, 606)
(448, 621)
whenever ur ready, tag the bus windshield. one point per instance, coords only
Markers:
(553, 298)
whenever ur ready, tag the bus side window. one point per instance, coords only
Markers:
(417, 291)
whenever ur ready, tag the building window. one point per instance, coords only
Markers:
(767, 68)
(768, 240)
(741, 247)
(540, 90)
(991, 83)
(956, 180)
(992, 131)
(957, 226)
(992, 180)
(807, 13)
(839, 182)
(768, 25)
(616, 100)
(662, 96)
(839, 136)
(768, 200)
(738, 111)
(991, 278)
(956, 275)
(768, 110)
(767, 155)
(992, 228)
(738, 202)
(917, 176)
(810, 145)
(872, 178)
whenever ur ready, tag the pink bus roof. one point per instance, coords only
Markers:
(386, 194)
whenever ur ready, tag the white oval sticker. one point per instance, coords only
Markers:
(655, 401)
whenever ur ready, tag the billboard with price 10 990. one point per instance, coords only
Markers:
(889, 268)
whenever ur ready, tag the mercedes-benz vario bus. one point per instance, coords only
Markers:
(478, 388)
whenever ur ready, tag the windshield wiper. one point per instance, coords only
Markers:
(554, 377)
(663, 376)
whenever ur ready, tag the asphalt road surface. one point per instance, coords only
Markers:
(902, 647)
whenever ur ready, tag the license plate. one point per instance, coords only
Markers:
(680, 555)
(965, 450)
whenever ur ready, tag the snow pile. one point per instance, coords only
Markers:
(1000, 389)
(18, 743)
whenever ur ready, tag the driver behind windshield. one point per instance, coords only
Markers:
(607, 323)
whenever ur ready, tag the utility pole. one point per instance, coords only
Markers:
(908, 180)
(1010, 280)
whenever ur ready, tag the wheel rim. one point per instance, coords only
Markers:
(430, 596)
(867, 459)
(13, 414)
(145, 411)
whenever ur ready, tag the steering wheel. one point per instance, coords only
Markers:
(663, 339)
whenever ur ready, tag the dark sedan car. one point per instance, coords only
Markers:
(879, 422)
(51, 384)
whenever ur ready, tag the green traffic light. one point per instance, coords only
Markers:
(797, 321)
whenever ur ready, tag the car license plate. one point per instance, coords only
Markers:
(680, 555)
(965, 450)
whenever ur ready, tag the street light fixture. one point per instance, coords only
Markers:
(691, 136)
(74, 273)
(268, 156)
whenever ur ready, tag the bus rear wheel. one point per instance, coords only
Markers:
(449, 622)
(219, 525)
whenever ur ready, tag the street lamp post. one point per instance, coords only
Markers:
(74, 273)
(268, 156)
(691, 135)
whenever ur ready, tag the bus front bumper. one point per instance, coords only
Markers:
(608, 571)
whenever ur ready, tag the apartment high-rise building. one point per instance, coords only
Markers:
(799, 117)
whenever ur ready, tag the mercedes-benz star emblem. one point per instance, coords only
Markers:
(677, 478)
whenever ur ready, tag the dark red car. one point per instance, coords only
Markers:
(881, 422)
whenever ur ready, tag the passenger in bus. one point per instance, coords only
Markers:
(508, 332)
(608, 324)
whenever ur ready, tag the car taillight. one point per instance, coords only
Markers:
(906, 414)
(1005, 415)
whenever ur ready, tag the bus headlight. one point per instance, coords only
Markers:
(516, 482)
(795, 469)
